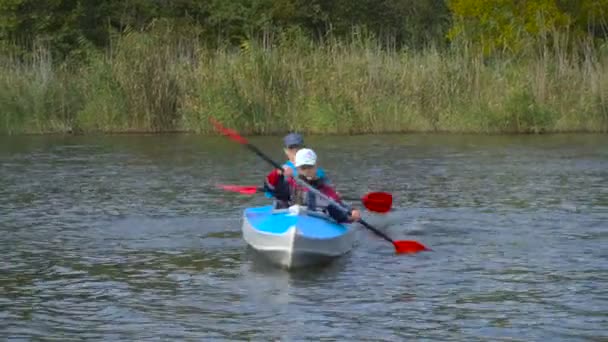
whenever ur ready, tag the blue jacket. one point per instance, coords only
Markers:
(320, 174)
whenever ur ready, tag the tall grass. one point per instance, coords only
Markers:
(154, 82)
(36, 97)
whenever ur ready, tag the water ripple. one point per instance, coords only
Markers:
(127, 238)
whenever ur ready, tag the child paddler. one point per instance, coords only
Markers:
(288, 192)
(294, 142)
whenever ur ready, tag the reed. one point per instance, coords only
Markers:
(35, 96)
(154, 82)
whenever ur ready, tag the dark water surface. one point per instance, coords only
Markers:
(127, 238)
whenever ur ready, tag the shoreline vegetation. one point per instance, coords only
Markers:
(162, 80)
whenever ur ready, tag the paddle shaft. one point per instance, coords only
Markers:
(315, 191)
(250, 190)
(263, 156)
(332, 201)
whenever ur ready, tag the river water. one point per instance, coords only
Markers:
(128, 238)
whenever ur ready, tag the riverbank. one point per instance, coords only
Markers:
(160, 84)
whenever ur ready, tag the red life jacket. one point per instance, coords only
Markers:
(298, 194)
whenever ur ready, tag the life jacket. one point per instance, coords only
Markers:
(300, 195)
(320, 175)
(288, 192)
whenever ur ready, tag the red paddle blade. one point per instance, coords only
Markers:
(245, 190)
(409, 246)
(380, 202)
(230, 133)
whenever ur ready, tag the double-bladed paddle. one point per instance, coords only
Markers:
(403, 246)
(378, 202)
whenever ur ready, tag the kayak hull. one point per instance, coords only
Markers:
(294, 237)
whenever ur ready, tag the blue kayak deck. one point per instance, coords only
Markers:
(264, 220)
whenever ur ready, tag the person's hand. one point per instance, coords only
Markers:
(355, 215)
(287, 171)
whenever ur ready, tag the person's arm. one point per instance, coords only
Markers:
(269, 188)
(276, 185)
(338, 214)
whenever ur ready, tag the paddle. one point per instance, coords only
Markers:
(378, 202)
(404, 246)
(242, 189)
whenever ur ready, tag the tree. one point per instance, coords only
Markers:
(510, 25)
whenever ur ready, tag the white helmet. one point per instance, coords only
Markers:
(306, 156)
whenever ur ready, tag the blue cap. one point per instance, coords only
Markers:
(292, 139)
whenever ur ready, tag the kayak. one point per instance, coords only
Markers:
(296, 237)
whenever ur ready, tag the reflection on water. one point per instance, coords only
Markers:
(127, 237)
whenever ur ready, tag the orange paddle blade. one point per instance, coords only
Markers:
(245, 190)
(380, 202)
(230, 133)
(409, 246)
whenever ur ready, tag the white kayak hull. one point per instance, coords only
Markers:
(296, 238)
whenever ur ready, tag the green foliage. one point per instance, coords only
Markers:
(520, 26)
(524, 114)
(587, 15)
(144, 70)
(105, 107)
(164, 81)
(35, 97)
(72, 26)
(321, 66)
(505, 25)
